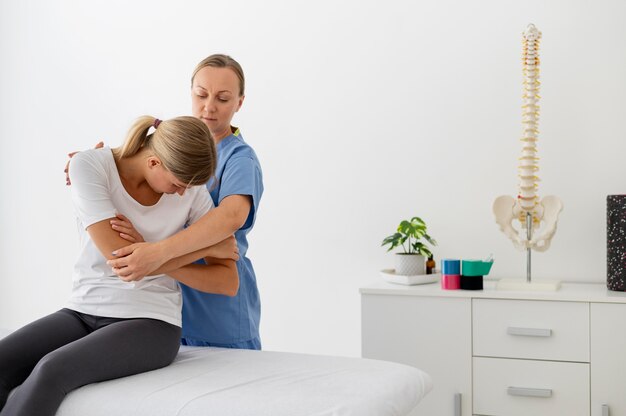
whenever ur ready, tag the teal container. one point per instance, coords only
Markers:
(476, 267)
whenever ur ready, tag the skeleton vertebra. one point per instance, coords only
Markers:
(544, 213)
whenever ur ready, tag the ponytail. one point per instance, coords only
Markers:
(137, 136)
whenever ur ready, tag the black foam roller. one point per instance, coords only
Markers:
(616, 242)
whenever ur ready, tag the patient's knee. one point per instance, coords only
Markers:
(5, 392)
(50, 371)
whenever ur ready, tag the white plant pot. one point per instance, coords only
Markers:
(410, 264)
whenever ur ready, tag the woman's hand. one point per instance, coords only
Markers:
(126, 229)
(225, 249)
(99, 145)
(136, 261)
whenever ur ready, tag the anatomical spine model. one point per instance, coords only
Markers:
(538, 218)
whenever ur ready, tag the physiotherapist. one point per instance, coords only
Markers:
(217, 93)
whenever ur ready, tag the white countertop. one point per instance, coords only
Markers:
(569, 292)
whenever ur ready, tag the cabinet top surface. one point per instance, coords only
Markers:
(573, 292)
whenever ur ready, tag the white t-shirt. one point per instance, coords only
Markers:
(98, 194)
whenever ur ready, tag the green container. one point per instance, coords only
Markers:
(475, 267)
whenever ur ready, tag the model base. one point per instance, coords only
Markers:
(533, 286)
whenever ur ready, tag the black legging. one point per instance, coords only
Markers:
(66, 350)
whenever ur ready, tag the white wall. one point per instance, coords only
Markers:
(363, 113)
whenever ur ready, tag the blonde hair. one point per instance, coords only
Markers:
(183, 144)
(219, 60)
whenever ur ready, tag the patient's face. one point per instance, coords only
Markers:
(162, 180)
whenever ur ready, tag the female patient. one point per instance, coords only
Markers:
(112, 328)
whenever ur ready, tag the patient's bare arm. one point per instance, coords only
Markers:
(140, 259)
(105, 238)
(217, 276)
(226, 249)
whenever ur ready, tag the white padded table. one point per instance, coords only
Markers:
(225, 382)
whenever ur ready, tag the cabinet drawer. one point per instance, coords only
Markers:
(531, 329)
(525, 387)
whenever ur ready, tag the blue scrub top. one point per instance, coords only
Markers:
(220, 320)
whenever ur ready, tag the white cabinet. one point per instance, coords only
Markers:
(504, 353)
(608, 359)
(433, 334)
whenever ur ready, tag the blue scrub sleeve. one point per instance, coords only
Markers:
(242, 176)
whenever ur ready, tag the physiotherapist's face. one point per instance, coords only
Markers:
(215, 99)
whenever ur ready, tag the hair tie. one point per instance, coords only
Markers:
(156, 123)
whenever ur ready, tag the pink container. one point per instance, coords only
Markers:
(450, 281)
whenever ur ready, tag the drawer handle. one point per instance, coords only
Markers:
(529, 332)
(457, 404)
(605, 410)
(528, 392)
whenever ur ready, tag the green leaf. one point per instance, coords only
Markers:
(418, 222)
(405, 227)
(425, 252)
(432, 241)
(391, 239)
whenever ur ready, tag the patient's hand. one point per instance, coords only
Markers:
(98, 145)
(126, 229)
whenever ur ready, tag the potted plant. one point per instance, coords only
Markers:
(409, 235)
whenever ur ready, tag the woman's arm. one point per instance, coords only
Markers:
(138, 260)
(217, 276)
(226, 249)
